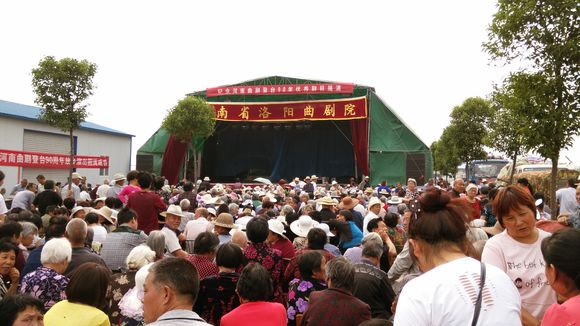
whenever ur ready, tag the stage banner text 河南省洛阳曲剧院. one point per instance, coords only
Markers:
(335, 109)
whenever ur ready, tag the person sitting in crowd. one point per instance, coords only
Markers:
(99, 232)
(222, 227)
(336, 305)
(438, 297)
(29, 233)
(277, 240)
(312, 266)
(76, 233)
(122, 240)
(397, 235)
(86, 298)
(12, 231)
(217, 293)
(379, 226)
(349, 232)
(258, 251)
(316, 240)
(156, 241)
(20, 310)
(47, 283)
(115, 189)
(520, 242)
(173, 217)
(374, 208)
(196, 226)
(300, 228)
(254, 289)
(123, 281)
(8, 273)
(371, 284)
(55, 229)
(204, 253)
(169, 293)
(473, 202)
(563, 274)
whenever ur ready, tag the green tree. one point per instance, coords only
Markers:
(62, 87)
(191, 121)
(468, 130)
(508, 126)
(444, 160)
(545, 35)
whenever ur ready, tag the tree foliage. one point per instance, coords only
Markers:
(61, 88)
(191, 118)
(444, 160)
(545, 35)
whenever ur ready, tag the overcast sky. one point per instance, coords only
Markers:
(422, 57)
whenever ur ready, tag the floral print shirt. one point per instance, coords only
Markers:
(46, 285)
(298, 293)
(271, 259)
(120, 284)
(398, 237)
(217, 296)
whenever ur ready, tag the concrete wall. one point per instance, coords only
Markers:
(89, 142)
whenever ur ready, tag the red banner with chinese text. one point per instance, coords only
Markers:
(338, 109)
(326, 88)
(51, 161)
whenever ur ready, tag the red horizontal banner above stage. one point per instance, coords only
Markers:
(48, 160)
(339, 109)
(327, 88)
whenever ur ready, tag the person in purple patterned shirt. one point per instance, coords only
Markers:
(47, 283)
(312, 265)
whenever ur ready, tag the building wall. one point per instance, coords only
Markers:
(89, 142)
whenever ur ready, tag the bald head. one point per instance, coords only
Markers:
(76, 232)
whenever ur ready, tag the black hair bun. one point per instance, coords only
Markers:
(434, 201)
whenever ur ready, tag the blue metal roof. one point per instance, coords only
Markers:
(31, 113)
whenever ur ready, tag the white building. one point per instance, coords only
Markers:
(21, 130)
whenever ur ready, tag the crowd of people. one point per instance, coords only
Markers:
(138, 251)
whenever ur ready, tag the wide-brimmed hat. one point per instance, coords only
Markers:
(76, 176)
(100, 199)
(412, 180)
(242, 222)
(206, 179)
(395, 200)
(327, 201)
(105, 212)
(324, 227)
(276, 227)
(314, 176)
(348, 203)
(211, 211)
(384, 192)
(119, 177)
(225, 220)
(208, 199)
(302, 225)
(75, 210)
(493, 230)
(173, 210)
(374, 201)
(296, 179)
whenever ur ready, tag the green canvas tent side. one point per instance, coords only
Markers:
(395, 152)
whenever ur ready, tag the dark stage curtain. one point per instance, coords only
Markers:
(173, 159)
(286, 151)
(360, 144)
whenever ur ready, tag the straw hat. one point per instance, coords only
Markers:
(395, 200)
(384, 192)
(242, 222)
(75, 210)
(212, 211)
(105, 212)
(207, 199)
(206, 179)
(100, 199)
(348, 203)
(76, 176)
(276, 227)
(324, 227)
(374, 201)
(173, 210)
(493, 230)
(225, 220)
(302, 225)
(326, 201)
(119, 177)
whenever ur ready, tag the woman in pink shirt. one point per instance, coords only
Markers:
(132, 187)
(563, 273)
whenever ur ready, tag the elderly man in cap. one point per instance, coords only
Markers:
(328, 210)
(119, 182)
(308, 186)
(75, 191)
(222, 226)
(173, 217)
(365, 183)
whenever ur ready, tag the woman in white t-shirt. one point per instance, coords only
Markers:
(517, 251)
(448, 291)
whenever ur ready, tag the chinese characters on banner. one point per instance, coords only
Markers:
(47, 160)
(328, 88)
(338, 109)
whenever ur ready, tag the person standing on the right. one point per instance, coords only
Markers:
(566, 198)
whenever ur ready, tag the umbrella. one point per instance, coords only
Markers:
(263, 180)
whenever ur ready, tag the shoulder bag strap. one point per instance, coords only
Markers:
(479, 296)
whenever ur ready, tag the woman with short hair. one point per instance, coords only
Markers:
(255, 289)
(350, 234)
(8, 273)
(563, 274)
(517, 251)
(47, 283)
(217, 293)
(452, 283)
(312, 265)
(156, 241)
(86, 298)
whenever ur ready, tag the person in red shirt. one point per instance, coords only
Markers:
(147, 204)
(204, 250)
(254, 289)
(277, 240)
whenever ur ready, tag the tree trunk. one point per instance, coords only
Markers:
(552, 189)
(195, 172)
(71, 157)
(514, 159)
(467, 171)
(198, 164)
